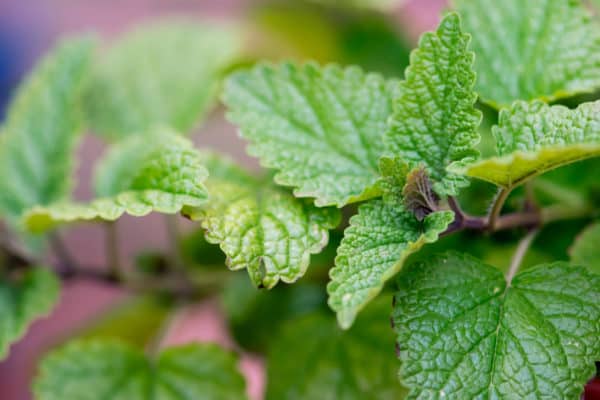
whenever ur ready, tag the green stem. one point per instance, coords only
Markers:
(497, 208)
(517, 259)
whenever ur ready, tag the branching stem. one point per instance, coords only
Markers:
(497, 208)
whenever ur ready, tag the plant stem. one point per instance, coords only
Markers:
(497, 207)
(522, 248)
(173, 238)
(112, 251)
(67, 264)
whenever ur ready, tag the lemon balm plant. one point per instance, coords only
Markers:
(388, 171)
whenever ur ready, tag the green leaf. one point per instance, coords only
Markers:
(329, 363)
(532, 50)
(25, 295)
(320, 127)
(533, 138)
(464, 333)
(39, 136)
(434, 123)
(160, 74)
(393, 178)
(585, 251)
(112, 370)
(375, 245)
(261, 227)
(161, 172)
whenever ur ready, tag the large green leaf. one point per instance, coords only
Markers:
(320, 127)
(464, 333)
(165, 74)
(39, 135)
(160, 172)
(261, 227)
(586, 249)
(533, 138)
(25, 295)
(434, 123)
(313, 358)
(380, 237)
(532, 49)
(110, 370)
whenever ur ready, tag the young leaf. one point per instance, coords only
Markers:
(39, 136)
(586, 251)
(434, 123)
(320, 127)
(464, 333)
(25, 295)
(533, 138)
(380, 237)
(259, 226)
(112, 370)
(329, 363)
(161, 172)
(532, 49)
(160, 74)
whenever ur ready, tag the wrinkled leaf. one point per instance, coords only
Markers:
(464, 333)
(320, 127)
(533, 138)
(261, 227)
(375, 245)
(532, 49)
(434, 123)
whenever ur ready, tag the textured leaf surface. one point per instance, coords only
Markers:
(533, 138)
(380, 237)
(434, 121)
(586, 249)
(39, 136)
(161, 173)
(463, 333)
(110, 370)
(320, 127)
(261, 227)
(332, 364)
(24, 297)
(160, 74)
(532, 49)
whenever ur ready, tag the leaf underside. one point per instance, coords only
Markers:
(375, 245)
(534, 138)
(111, 370)
(38, 139)
(320, 127)
(24, 297)
(157, 173)
(261, 227)
(434, 123)
(462, 333)
(334, 364)
(160, 74)
(532, 49)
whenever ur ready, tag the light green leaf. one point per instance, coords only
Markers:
(434, 123)
(161, 172)
(394, 172)
(320, 127)
(532, 49)
(586, 250)
(111, 370)
(332, 364)
(39, 136)
(160, 74)
(375, 245)
(25, 295)
(533, 138)
(464, 333)
(259, 226)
